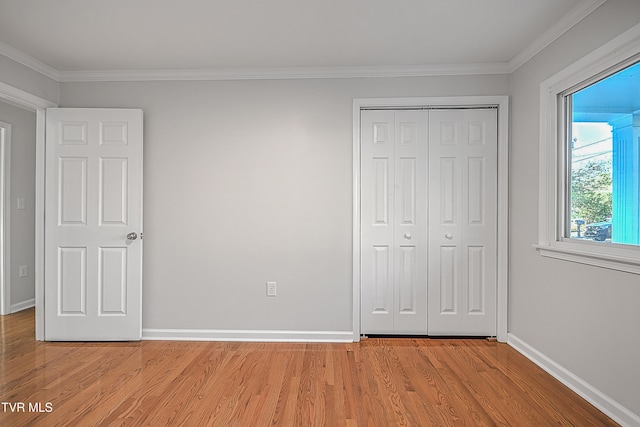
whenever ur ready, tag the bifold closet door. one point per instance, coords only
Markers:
(462, 222)
(429, 222)
(394, 222)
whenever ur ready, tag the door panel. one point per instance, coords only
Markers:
(393, 222)
(463, 222)
(377, 166)
(72, 195)
(93, 199)
(72, 284)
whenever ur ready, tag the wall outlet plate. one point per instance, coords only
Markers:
(271, 289)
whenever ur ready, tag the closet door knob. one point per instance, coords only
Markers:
(448, 236)
(407, 236)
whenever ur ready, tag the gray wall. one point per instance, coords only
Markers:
(587, 319)
(23, 185)
(248, 182)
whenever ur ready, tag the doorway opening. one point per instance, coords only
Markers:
(17, 214)
(29, 102)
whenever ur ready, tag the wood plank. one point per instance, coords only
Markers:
(377, 382)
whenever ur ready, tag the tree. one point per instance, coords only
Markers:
(591, 191)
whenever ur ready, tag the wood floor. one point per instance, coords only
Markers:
(378, 382)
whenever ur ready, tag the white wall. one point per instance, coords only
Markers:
(584, 318)
(248, 182)
(22, 183)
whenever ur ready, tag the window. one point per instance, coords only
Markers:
(603, 152)
(590, 158)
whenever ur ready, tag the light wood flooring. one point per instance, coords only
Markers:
(378, 382)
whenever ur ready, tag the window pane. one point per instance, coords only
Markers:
(604, 153)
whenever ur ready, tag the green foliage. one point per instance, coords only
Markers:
(591, 191)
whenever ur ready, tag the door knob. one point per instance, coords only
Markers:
(407, 236)
(132, 236)
(448, 236)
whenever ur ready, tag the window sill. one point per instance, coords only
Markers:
(568, 252)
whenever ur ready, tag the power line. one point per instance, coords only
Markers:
(589, 156)
(592, 143)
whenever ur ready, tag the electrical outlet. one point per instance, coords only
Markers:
(23, 271)
(271, 289)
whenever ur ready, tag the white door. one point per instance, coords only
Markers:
(393, 222)
(93, 224)
(462, 222)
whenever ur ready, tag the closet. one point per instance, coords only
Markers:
(428, 221)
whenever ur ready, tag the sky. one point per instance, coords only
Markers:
(592, 141)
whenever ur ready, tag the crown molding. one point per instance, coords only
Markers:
(582, 10)
(29, 61)
(568, 21)
(22, 99)
(284, 73)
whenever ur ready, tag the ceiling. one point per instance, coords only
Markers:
(89, 36)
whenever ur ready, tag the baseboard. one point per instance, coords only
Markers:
(23, 305)
(604, 403)
(246, 335)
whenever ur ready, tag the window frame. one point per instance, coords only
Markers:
(619, 53)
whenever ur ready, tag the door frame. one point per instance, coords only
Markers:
(25, 100)
(5, 215)
(501, 102)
